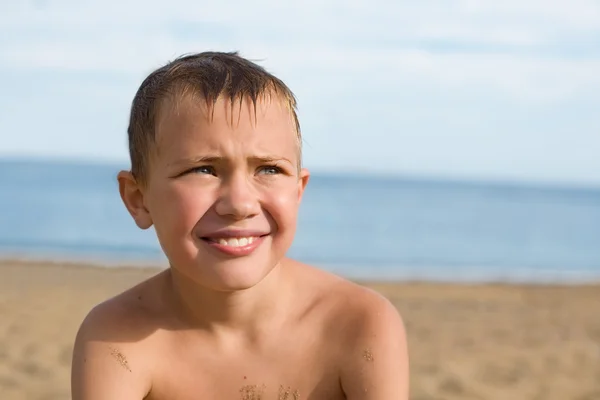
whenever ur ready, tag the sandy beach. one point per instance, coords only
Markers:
(493, 342)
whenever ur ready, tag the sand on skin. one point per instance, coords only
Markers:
(466, 341)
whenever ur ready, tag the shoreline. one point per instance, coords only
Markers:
(441, 275)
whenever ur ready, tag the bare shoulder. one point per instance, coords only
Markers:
(109, 355)
(352, 304)
(370, 335)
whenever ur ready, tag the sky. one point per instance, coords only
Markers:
(486, 90)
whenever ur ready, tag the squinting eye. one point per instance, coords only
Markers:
(203, 170)
(270, 170)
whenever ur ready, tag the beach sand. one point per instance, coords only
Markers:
(504, 342)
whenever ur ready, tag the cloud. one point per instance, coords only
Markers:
(474, 16)
(474, 76)
(512, 47)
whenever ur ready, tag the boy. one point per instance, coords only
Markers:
(215, 149)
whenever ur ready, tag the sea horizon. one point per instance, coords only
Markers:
(387, 175)
(365, 226)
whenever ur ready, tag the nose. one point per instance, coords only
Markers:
(238, 199)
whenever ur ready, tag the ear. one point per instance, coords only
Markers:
(302, 182)
(133, 198)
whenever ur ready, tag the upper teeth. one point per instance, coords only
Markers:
(236, 242)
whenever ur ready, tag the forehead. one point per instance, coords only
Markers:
(189, 125)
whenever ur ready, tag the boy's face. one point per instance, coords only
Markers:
(222, 194)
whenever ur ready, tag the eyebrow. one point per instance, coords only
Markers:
(269, 159)
(216, 159)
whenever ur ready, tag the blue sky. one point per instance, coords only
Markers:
(464, 89)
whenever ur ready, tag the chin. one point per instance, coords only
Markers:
(233, 283)
(215, 270)
(245, 275)
(232, 286)
(231, 275)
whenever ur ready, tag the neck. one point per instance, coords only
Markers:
(244, 312)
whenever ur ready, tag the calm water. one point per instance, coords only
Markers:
(358, 227)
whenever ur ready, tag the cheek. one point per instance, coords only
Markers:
(283, 206)
(178, 208)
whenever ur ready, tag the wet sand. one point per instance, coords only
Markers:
(506, 342)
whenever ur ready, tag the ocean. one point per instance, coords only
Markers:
(363, 227)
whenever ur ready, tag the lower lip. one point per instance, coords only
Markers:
(237, 251)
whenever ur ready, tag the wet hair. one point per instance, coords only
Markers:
(208, 75)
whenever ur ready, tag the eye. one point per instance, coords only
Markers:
(270, 170)
(204, 169)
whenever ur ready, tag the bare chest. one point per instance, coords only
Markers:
(282, 372)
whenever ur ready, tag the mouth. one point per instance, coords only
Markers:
(241, 241)
(235, 242)
(235, 245)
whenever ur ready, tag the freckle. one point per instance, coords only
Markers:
(139, 297)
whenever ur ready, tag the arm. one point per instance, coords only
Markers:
(376, 367)
(101, 369)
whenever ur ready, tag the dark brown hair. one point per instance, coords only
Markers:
(209, 75)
